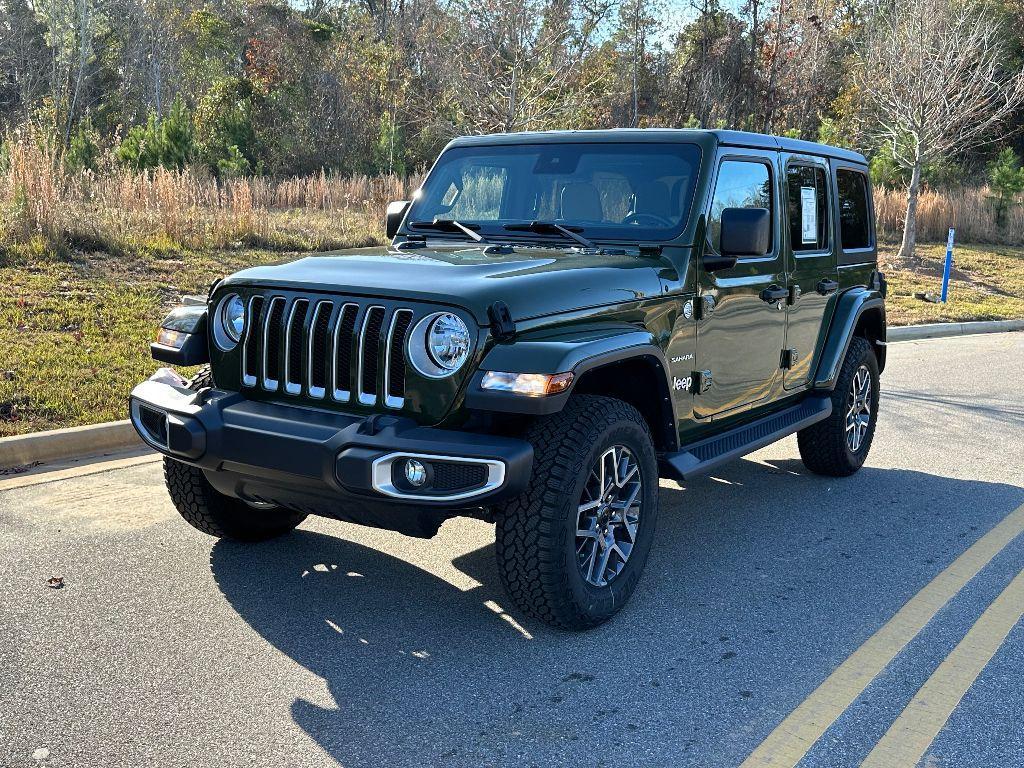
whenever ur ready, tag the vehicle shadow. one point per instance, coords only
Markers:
(763, 579)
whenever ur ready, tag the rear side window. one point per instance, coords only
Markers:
(807, 207)
(854, 213)
(741, 184)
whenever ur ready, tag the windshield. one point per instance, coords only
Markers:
(611, 191)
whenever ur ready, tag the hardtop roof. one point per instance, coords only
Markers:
(723, 137)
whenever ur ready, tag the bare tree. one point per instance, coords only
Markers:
(521, 69)
(932, 72)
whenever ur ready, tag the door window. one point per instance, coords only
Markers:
(807, 207)
(741, 184)
(854, 213)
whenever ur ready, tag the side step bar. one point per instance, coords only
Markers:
(704, 455)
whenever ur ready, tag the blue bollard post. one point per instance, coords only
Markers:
(949, 265)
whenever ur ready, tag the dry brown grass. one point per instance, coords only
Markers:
(971, 211)
(46, 208)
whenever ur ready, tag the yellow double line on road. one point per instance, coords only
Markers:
(920, 722)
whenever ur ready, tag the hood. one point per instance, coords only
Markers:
(533, 282)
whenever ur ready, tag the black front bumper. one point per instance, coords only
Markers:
(323, 463)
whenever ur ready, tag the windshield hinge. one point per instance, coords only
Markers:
(502, 326)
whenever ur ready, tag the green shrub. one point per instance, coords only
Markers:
(166, 142)
(1006, 177)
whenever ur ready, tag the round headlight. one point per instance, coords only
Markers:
(439, 345)
(230, 323)
(234, 317)
(448, 342)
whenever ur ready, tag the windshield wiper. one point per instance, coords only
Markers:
(450, 225)
(541, 227)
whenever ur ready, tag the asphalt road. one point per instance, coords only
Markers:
(338, 645)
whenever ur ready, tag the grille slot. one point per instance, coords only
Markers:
(293, 347)
(251, 345)
(306, 345)
(319, 333)
(394, 363)
(369, 354)
(343, 340)
(272, 344)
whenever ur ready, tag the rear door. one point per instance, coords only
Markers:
(740, 334)
(811, 263)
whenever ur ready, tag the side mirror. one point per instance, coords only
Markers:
(394, 216)
(745, 232)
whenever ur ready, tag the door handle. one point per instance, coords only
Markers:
(774, 293)
(827, 286)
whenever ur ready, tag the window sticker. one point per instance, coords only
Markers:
(808, 215)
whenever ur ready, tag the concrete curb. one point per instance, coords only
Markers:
(56, 444)
(940, 330)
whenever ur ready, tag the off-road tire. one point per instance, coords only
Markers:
(823, 446)
(536, 533)
(210, 511)
(202, 379)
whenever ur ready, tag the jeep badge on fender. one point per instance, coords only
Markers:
(560, 320)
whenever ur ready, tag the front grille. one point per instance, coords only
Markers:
(326, 349)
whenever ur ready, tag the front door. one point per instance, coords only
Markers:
(811, 260)
(740, 333)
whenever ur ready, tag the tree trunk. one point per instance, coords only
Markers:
(910, 220)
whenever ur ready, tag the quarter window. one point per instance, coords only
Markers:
(854, 213)
(741, 184)
(807, 207)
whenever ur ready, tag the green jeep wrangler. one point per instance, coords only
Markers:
(561, 320)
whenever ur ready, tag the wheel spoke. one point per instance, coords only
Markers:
(622, 549)
(591, 559)
(603, 566)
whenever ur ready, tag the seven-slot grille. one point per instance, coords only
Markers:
(326, 348)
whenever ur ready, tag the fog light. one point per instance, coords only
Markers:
(415, 473)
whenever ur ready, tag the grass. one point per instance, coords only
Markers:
(987, 284)
(75, 333)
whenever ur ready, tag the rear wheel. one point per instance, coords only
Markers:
(839, 445)
(210, 511)
(572, 548)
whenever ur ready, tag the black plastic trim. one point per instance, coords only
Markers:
(701, 457)
(296, 451)
(194, 351)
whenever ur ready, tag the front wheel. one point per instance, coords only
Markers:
(206, 509)
(572, 548)
(210, 511)
(839, 445)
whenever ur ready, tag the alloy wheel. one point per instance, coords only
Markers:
(608, 516)
(858, 409)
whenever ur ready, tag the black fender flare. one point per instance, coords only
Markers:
(852, 305)
(578, 352)
(190, 322)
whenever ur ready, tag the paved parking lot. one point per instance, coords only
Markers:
(783, 618)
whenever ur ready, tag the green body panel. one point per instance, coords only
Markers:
(809, 314)
(739, 336)
(531, 281)
(574, 310)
